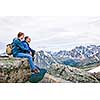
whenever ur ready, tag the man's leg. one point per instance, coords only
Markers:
(33, 53)
(23, 55)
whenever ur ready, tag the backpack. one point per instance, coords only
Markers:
(9, 49)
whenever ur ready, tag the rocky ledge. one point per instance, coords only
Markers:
(72, 74)
(14, 70)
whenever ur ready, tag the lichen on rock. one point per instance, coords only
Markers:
(71, 74)
(14, 70)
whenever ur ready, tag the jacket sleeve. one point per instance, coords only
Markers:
(20, 45)
(31, 49)
(25, 45)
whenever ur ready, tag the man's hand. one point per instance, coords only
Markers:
(30, 53)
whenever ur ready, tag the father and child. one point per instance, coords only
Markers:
(21, 49)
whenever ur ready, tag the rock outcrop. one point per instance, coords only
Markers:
(95, 72)
(52, 79)
(71, 74)
(96, 75)
(14, 70)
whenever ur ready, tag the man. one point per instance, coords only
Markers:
(26, 45)
(19, 51)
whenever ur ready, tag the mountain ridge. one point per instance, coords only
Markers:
(77, 57)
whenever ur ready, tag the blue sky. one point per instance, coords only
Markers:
(52, 33)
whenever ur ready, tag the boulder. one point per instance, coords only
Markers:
(14, 70)
(96, 75)
(74, 75)
(52, 79)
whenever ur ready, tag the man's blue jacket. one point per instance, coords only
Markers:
(18, 47)
(26, 45)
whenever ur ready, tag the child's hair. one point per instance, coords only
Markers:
(26, 37)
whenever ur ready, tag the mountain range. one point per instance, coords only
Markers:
(77, 57)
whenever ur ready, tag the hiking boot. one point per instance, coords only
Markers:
(35, 71)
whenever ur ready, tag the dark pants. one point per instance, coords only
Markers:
(33, 53)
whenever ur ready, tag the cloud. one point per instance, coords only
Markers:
(52, 32)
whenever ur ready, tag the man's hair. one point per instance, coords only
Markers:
(20, 34)
(26, 37)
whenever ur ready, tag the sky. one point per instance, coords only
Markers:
(51, 33)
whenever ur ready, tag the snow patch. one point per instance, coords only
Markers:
(96, 70)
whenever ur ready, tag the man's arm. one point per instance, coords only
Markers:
(20, 45)
(25, 44)
(32, 50)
